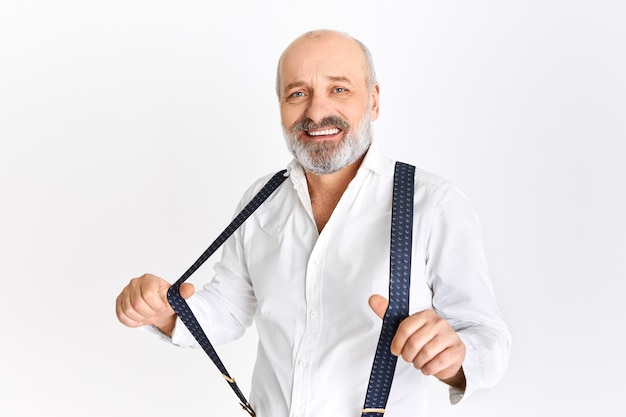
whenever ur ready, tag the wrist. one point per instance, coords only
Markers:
(166, 325)
(457, 381)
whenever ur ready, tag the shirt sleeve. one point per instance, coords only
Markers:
(463, 294)
(225, 306)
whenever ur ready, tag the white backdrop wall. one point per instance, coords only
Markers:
(129, 130)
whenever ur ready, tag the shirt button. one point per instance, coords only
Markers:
(313, 313)
(302, 364)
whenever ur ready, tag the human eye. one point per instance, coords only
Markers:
(295, 96)
(339, 90)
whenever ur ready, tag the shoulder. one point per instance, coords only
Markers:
(432, 183)
(430, 188)
(257, 186)
(443, 200)
(437, 194)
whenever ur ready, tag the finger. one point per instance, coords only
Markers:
(186, 290)
(135, 307)
(139, 302)
(446, 364)
(125, 313)
(125, 320)
(411, 328)
(151, 296)
(143, 304)
(429, 355)
(411, 337)
(378, 304)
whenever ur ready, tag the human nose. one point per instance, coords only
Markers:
(318, 107)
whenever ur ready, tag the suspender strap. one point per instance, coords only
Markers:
(181, 307)
(384, 364)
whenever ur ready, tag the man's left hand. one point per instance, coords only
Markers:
(428, 342)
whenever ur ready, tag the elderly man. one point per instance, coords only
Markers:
(309, 265)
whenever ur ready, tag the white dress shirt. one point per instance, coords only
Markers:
(308, 293)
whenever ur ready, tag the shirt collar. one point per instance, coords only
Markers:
(375, 160)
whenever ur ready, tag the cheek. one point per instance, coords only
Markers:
(356, 118)
(288, 116)
(355, 111)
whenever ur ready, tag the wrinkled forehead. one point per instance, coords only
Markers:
(322, 57)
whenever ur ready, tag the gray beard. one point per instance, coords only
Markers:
(326, 157)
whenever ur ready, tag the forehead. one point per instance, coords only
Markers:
(325, 57)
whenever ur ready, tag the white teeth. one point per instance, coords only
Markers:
(324, 132)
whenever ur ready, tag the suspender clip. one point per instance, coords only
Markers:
(373, 410)
(248, 408)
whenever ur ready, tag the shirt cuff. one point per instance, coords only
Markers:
(456, 395)
(180, 334)
(152, 329)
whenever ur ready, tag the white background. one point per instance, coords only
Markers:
(129, 130)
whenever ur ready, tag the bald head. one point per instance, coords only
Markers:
(334, 40)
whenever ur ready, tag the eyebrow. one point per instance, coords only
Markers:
(335, 78)
(293, 85)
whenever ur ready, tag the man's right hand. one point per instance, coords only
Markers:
(144, 301)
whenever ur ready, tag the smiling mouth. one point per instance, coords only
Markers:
(323, 132)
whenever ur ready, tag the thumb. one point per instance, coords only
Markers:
(186, 290)
(378, 304)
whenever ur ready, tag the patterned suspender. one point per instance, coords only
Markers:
(399, 280)
(384, 365)
(181, 307)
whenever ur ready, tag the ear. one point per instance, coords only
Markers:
(374, 109)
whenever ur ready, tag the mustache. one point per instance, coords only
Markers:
(328, 121)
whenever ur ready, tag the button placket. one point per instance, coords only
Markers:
(306, 350)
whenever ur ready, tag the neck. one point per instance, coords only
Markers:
(326, 190)
(331, 184)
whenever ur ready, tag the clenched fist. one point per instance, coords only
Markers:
(144, 301)
(428, 342)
